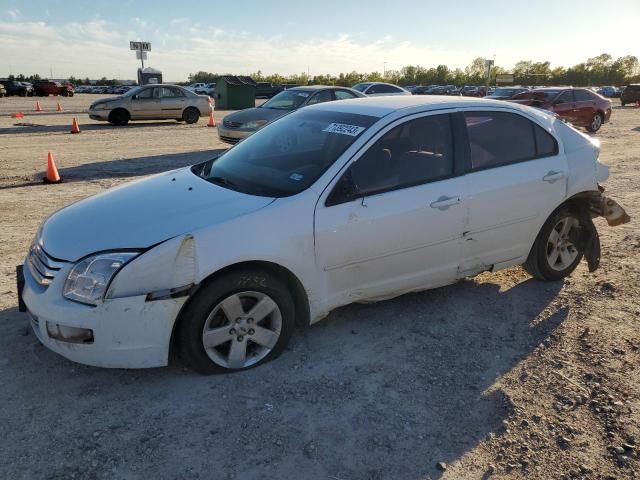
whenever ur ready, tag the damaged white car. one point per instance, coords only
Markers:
(342, 202)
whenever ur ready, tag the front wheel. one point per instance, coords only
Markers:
(235, 322)
(596, 123)
(554, 256)
(191, 115)
(119, 117)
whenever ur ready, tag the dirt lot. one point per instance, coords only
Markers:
(498, 377)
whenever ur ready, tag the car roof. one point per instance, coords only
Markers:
(309, 88)
(384, 105)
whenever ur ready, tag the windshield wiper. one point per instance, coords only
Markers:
(222, 181)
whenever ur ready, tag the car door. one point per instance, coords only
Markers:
(172, 102)
(515, 178)
(343, 94)
(146, 104)
(564, 105)
(321, 97)
(393, 220)
(585, 107)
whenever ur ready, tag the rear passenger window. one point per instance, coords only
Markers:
(498, 138)
(418, 151)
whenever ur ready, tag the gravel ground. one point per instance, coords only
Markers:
(499, 376)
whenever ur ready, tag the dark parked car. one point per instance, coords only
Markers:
(630, 94)
(267, 90)
(580, 106)
(44, 88)
(506, 93)
(16, 88)
(240, 125)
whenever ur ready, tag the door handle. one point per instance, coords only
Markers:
(445, 202)
(553, 176)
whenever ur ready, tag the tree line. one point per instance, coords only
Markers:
(596, 71)
(599, 70)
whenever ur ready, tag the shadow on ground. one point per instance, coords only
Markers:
(35, 127)
(376, 391)
(125, 168)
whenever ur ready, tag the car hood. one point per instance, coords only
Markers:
(253, 114)
(106, 100)
(141, 214)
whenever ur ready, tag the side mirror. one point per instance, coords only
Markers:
(344, 191)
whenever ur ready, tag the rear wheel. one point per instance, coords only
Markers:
(119, 117)
(596, 123)
(191, 115)
(553, 255)
(235, 322)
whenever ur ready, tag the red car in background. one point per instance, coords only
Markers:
(44, 88)
(579, 106)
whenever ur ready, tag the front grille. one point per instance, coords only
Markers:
(42, 267)
(229, 139)
(230, 124)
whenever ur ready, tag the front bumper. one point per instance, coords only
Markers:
(102, 115)
(128, 332)
(233, 135)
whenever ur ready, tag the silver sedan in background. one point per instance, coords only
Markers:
(152, 102)
(239, 125)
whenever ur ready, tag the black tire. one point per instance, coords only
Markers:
(596, 122)
(538, 263)
(119, 117)
(191, 115)
(190, 329)
(70, 94)
(22, 93)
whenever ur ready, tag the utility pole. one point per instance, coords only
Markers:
(384, 69)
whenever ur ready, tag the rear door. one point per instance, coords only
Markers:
(172, 102)
(564, 105)
(585, 107)
(515, 179)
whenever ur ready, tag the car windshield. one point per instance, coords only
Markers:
(291, 99)
(286, 156)
(361, 87)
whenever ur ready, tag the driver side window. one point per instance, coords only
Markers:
(146, 94)
(416, 152)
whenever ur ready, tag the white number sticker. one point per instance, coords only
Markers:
(344, 129)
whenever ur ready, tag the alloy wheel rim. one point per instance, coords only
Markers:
(561, 252)
(596, 122)
(242, 329)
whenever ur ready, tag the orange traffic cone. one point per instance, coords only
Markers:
(212, 122)
(38, 107)
(75, 128)
(59, 107)
(52, 172)
(17, 115)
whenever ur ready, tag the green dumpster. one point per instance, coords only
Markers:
(235, 93)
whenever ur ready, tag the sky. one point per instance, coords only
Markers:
(87, 38)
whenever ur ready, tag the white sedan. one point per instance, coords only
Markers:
(340, 202)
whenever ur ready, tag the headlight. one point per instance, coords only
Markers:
(254, 124)
(88, 280)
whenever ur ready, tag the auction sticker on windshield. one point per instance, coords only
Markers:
(344, 129)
